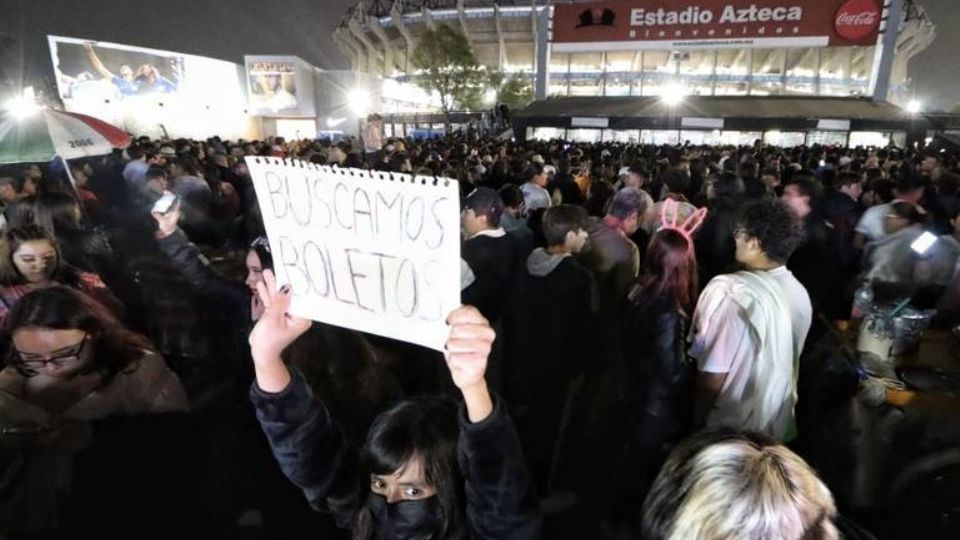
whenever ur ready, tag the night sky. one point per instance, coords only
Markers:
(228, 29)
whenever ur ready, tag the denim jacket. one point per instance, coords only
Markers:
(313, 452)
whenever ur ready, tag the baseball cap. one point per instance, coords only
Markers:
(168, 152)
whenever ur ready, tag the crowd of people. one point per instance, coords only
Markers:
(628, 362)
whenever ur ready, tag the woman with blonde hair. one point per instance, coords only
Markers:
(730, 486)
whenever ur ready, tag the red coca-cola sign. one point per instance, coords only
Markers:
(857, 19)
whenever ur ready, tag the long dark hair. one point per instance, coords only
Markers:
(669, 269)
(261, 246)
(115, 349)
(53, 212)
(426, 428)
(14, 238)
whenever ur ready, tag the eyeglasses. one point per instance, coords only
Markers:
(31, 368)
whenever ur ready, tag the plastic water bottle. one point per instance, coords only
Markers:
(862, 302)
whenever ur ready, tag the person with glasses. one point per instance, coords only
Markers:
(748, 328)
(68, 362)
(67, 356)
(891, 260)
(30, 258)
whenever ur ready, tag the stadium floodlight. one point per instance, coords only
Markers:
(672, 94)
(22, 107)
(359, 101)
(914, 106)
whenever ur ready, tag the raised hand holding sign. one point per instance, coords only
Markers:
(375, 252)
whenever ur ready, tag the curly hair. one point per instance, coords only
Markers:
(778, 230)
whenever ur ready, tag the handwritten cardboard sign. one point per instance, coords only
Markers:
(367, 250)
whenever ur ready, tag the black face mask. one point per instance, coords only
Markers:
(406, 520)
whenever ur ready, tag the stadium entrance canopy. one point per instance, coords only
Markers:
(779, 120)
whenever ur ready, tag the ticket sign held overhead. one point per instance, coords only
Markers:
(366, 250)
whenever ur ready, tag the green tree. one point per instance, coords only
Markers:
(515, 91)
(448, 66)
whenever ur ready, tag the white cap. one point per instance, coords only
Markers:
(537, 158)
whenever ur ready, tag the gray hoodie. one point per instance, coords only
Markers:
(540, 262)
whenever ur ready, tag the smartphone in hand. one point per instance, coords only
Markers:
(165, 203)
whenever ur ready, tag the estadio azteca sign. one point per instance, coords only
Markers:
(678, 24)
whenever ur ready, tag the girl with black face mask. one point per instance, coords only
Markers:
(426, 471)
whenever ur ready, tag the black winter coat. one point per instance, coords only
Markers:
(494, 263)
(657, 378)
(312, 451)
(550, 327)
(233, 297)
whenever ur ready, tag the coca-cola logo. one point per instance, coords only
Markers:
(857, 19)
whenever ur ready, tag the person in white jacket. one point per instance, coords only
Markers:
(892, 260)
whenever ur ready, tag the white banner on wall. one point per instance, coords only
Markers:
(366, 250)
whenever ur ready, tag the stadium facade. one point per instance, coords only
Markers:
(620, 48)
